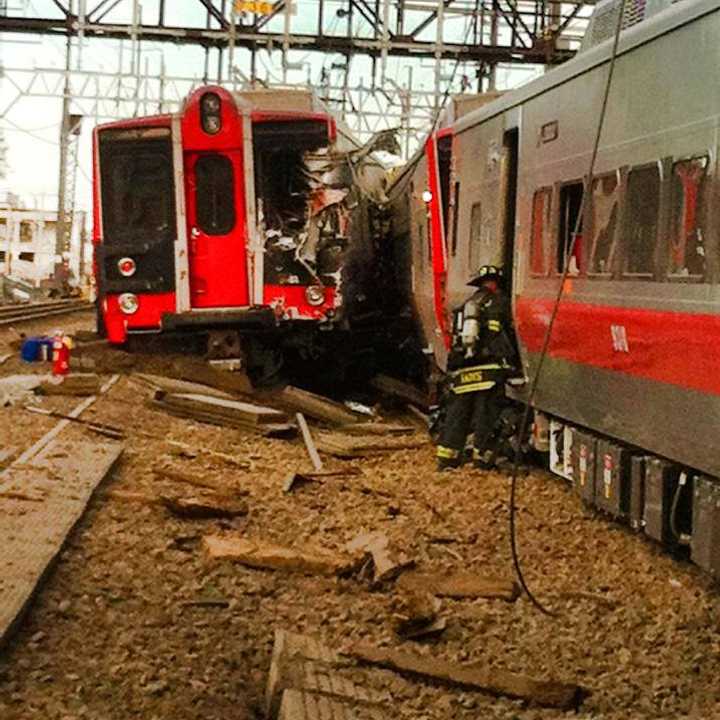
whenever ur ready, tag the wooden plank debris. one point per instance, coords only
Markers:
(269, 556)
(361, 446)
(173, 385)
(416, 616)
(400, 389)
(461, 585)
(299, 705)
(181, 477)
(201, 508)
(547, 693)
(302, 664)
(387, 561)
(79, 384)
(319, 476)
(64, 474)
(54, 432)
(114, 433)
(244, 412)
(4, 358)
(377, 428)
(223, 412)
(311, 405)
(309, 444)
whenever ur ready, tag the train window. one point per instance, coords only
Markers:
(27, 256)
(541, 223)
(687, 248)
(455, 214)
(2, 255)
(475, 234)
(215, 194)
(643, 206)
(603, 223)
(571, 196)
(137, 191)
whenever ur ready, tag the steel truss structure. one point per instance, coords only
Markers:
(443, 45)
(478, 33)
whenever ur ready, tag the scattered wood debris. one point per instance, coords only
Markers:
(219, 411)
(388, 563)
(361, 446)
(377, 428)
(300, 664)
(297, 478)
(200, 508)
(261, 554)
(547, 693)
(416, 616)
(299, 705)
(80, 384)
(460, 585)
(173, 385)
(110, 431)
(33, 533)
(177, 476)
(314, 406)
(400, 389)
(309, 444)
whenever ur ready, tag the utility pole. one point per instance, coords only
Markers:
(69, 140)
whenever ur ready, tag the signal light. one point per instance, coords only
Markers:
(210, 116)
(127, 267)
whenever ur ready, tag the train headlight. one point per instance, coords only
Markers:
(127, 267)
(210, 116)
(315, 294)
(128, 303)
(426, 196)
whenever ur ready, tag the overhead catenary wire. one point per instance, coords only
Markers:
(548, 332)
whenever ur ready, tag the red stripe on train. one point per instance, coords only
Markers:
(669, 347)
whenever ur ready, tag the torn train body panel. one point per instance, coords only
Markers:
(316, 194)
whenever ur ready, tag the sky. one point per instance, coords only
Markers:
(31, 126)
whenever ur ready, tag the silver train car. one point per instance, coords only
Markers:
(631, 382)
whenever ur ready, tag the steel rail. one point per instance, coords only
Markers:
(26, 313)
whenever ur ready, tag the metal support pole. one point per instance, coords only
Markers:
(61, 229)
(439, 51)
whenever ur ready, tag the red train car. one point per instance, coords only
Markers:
(243, 211)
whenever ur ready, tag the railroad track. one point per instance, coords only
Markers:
(35, 311)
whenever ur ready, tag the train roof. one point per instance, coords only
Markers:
(677, 15)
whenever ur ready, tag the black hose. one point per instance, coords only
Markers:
(548, 332)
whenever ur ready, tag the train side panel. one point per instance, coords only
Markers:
(633, 352)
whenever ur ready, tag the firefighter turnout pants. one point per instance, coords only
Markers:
(469, 407)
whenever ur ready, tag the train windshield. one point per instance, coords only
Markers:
(138, 198)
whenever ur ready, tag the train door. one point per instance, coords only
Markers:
(509, 200)
(439, 158)
(217, 249)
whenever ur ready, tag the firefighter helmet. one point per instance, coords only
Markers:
(486, 272)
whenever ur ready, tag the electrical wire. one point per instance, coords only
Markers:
(14, 127)
(548, 332)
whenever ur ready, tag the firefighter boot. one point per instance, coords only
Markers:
(447, 458)
(483, 460)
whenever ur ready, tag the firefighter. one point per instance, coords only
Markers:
(479, 361)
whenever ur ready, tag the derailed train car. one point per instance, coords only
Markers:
(249, 213)
(631, 382)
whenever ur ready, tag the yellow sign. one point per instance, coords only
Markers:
(254, 6)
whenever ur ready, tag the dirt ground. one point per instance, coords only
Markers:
(114, 633)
